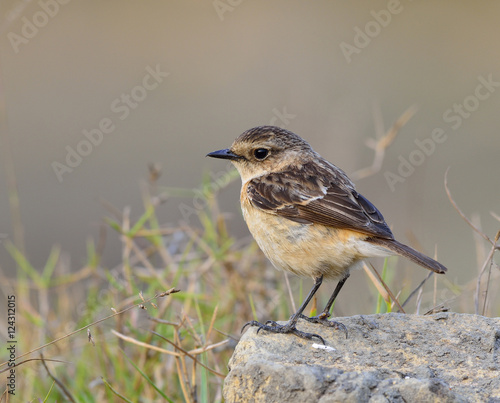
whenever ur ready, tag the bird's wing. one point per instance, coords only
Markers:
(319, 194)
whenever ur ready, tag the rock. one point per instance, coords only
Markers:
(446, 357)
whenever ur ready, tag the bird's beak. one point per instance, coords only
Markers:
(225, 154)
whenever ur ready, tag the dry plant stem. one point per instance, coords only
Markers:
(380, 288)
(489, 260)
(382, 144)
(434, 301)
(163, 322)
(201, 350)
(142, 344)
(58, 382)
(388, 290)
(192, 331)
(236, 339)
(18, 364)
(181, 370)
(287, 282)
(419, 300)
(210, 328)
(161, 295)
(192, 354)
(464, 217)
(481, 251)
(194, 388)
(495, 216)
(487, 287)
(418, 288)
(182, 358)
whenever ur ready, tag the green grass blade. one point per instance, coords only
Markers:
(150, 381)
(141, 221)
(23, 263)
(50, 266)
(252, 307)
(50, 391)
(115, 392)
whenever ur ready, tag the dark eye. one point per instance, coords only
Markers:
(261, 153)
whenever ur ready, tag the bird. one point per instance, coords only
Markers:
(307, 217)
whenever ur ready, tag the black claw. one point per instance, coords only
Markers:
(274, 327)
(251, 323)
(315, 335)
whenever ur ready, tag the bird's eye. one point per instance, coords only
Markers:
(261, 153)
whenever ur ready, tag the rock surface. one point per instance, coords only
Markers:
(446, 357)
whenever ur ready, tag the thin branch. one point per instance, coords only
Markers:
(387, 289)
(189, 355)
(210, 328)
(65, 391)
(495, 216)
(202, 350)
(483, 268)
(464, 217)
(418, 287)
(290, 294)
(381, 290)
(380, 145)
(142, 344)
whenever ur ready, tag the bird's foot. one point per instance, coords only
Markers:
(322, 319)
(289, 327)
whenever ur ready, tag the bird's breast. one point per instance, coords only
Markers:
(304, 249)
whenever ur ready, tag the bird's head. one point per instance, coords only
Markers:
(265, 149)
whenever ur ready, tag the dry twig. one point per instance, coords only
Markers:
(381, 145)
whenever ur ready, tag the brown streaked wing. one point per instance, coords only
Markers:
(315, 194)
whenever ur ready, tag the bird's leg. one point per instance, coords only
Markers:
(322, 318)
(289, 327)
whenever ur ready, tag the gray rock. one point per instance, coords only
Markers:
(446, 357)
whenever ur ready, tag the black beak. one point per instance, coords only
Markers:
(225, 154)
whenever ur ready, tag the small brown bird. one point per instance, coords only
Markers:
(307, 217)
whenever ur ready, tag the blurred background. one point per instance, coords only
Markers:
(93, 92)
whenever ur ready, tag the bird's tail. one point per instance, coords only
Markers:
(410, 253)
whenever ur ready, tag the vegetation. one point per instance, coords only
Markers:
(162, 325)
